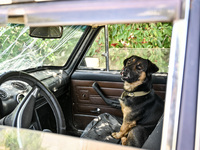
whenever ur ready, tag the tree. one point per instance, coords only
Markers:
(140, 35)
(148, 40)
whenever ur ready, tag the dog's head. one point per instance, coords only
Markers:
(135, 71)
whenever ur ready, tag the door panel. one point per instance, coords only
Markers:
(87, 103)
(86, 100)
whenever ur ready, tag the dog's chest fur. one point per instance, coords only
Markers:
(137, 108)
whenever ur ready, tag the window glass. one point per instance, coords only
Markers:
(147, 40)
(94, 58)
(158, 56)
(19, 51)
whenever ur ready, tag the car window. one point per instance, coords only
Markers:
(148, 40)
(94, 58)
(19, 51)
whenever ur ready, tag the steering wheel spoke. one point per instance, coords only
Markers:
(22, 115)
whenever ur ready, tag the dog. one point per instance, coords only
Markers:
(140, 106)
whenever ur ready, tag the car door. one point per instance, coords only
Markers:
(96, 84)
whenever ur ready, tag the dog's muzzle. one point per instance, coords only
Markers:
(122, 71)
(124, 74)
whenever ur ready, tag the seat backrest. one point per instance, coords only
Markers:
(153, 142)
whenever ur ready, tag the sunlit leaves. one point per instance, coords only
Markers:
(156, 35)
(19, 51)
(148, 40)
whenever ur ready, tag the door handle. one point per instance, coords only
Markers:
(113, 103)
(97, 110)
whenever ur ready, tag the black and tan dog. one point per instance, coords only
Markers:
(141, 107)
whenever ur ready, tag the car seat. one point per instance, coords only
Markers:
(105, 124)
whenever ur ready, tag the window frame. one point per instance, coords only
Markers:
(105, 54)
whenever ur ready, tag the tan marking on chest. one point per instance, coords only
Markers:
(131, 86)
(125, 109)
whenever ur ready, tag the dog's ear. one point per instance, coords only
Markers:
(125, 61)
(152, 68)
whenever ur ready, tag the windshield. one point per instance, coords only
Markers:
(19, 51)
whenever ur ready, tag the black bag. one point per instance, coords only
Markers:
(102, 127)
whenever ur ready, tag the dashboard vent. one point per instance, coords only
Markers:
(19, 86)
(3, 94)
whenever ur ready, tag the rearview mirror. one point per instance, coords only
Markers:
(46, 32)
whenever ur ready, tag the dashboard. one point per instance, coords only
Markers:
(12, 93)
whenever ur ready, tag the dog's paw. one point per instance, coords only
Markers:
(116, 135)
(124, 140)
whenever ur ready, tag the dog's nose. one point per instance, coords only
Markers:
(122, 71)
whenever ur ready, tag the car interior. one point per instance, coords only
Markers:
(69, 94)
(96, 92)
(61, 70)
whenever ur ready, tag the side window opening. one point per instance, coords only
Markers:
(94, 58)
(159, 56)
(147, 40)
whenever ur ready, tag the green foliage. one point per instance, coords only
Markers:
(143, 39)
(140, 35)
(147, 40)
(10, 139)
(98, 48)
(20, 51)
(158, 56)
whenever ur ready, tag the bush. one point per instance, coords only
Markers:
(148, 40)
(140, 35)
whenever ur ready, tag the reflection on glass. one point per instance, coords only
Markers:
(19, 51)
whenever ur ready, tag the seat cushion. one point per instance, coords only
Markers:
(102, 127)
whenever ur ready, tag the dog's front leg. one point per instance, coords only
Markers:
(125, 128)
(124, 140)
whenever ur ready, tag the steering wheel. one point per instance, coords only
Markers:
(22, 115)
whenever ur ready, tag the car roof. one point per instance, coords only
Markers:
(93, 13)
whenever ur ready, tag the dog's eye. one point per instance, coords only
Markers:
(138, 67)
(128, 63)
